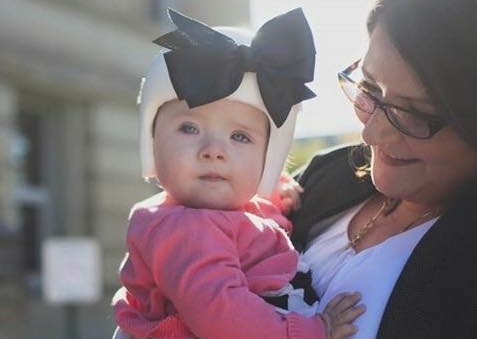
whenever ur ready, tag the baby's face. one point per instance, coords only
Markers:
(210, 156)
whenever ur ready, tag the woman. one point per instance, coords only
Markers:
(404, 235)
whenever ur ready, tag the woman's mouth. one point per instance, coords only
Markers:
(394, 160)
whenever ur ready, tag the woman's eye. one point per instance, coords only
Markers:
(188, 128)
(369, 87)
(241, 137)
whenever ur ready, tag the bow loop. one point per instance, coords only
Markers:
(205, 65)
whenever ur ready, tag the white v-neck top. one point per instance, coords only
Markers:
(372, 272)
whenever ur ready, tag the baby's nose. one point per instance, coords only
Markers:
(212, 151)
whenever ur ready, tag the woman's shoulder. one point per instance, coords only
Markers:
(331, 176)
(330, 158)
(330, 186)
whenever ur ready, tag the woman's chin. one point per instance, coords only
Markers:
(388, 185)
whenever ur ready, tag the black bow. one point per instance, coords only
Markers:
(205, 65)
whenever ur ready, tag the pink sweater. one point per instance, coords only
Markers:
(200, 271)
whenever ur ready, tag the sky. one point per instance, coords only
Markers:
(340, 38)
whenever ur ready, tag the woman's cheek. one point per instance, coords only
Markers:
(362, 116)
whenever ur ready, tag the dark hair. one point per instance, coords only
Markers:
(438, 39)
(359, 158)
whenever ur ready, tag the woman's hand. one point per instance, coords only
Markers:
(286, 196)
(340, 313)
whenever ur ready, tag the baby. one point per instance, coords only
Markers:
(217, 118)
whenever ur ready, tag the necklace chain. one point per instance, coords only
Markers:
(386, 208)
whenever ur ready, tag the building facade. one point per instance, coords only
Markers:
(69, 164)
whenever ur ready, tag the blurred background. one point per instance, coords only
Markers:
(69, 164)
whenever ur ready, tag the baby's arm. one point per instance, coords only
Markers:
(340, 313)
(199, 271)
(338, 317)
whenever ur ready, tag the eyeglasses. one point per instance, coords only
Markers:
(413, 123)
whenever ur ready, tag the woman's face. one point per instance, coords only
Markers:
(424, 171)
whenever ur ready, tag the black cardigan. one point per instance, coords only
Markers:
(435, 295)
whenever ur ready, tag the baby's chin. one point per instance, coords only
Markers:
(213, 204)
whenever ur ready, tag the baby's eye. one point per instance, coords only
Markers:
(241, 137)
(188, 128)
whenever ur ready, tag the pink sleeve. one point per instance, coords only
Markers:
(197, 269)
(269, 209)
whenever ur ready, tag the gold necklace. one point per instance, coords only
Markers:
(387, 207)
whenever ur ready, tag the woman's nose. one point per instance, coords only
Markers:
(377, 128)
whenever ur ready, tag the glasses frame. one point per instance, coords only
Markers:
(434, 123)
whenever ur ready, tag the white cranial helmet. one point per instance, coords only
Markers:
(157, 89)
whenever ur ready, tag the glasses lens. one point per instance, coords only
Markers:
(413, 124)
(360, 99)
(408, 123)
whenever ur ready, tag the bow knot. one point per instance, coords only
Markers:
(249, 61)
(205, 65)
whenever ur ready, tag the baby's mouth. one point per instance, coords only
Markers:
(211, 177)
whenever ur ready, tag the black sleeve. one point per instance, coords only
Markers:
(330, 186)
